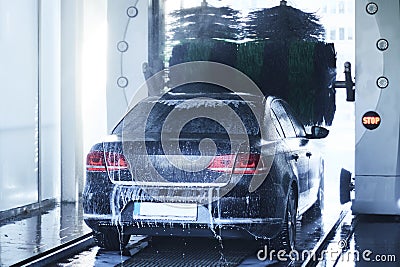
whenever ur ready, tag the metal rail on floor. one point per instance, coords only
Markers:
(311, 260)
(55, 254)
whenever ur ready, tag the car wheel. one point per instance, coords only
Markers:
(315, 210)
(319, 204)
(289, 230)
(345, 188)
(111, 239)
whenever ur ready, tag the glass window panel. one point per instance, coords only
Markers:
(341, 7)
(18, 111)
(341, 34)
(332, 35)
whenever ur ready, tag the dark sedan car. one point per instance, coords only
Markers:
(203, 164)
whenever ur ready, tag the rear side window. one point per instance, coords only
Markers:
(297, 125)
(271, 114)
(283, 119)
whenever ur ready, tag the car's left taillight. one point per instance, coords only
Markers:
(100, 161)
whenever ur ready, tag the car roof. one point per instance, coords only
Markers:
(198, 90)
(217, 96)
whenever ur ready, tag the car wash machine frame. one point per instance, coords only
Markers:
(377, 104)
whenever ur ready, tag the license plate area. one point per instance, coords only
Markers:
(165, 211)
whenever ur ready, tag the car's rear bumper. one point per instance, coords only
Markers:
(259, 229)
(237, 214)
(204, 225)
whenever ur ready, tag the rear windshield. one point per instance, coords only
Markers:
(191, 116)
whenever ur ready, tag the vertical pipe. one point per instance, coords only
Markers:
(71, 125)
(39, 36)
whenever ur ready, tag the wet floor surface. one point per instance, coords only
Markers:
(365, 240)
(359, 241)
(310, 230)
(25, 236)
(170, 251)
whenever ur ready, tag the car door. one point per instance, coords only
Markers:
(314, 158)
(311, 154)
(297, 154)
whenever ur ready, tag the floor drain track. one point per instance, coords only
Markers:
(192, 254)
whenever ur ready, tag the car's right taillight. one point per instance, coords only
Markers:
(100, 161)
(243, 163)
(246, 164)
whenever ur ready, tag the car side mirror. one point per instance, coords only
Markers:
(318, 132)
